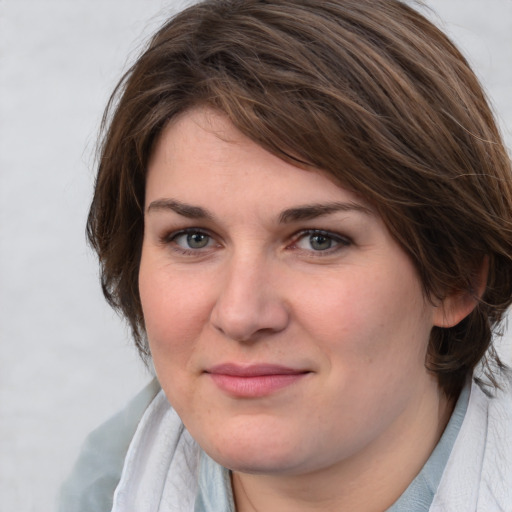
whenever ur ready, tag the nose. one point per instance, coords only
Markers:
(249, 305)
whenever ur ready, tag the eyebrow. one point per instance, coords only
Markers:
(184, 209)
(313, 211)
(305, 212)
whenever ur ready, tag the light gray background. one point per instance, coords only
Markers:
(66, 361)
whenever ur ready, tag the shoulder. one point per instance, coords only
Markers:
(91, 484)
(496, 484)
(478, 475)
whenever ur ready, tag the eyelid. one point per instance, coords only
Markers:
(187, 231)
(169, 238)
(342, 241)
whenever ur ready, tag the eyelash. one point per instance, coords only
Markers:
(340, 242)
(171, 238)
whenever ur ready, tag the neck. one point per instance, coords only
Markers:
(370, 481)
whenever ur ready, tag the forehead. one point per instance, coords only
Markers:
(201, 156)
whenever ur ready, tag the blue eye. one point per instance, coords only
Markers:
(192, 239)
(320, 241)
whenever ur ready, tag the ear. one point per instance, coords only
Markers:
(459, 304)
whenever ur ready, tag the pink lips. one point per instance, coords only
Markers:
(253, 381)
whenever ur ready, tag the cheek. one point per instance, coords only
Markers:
(375, 315)
(174, 321)
(175, 311)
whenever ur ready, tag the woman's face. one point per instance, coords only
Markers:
(287, 327)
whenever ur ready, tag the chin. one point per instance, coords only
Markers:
(257, 465)
(259, 443)
(257, 456)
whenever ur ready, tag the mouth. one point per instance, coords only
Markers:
(254, 381)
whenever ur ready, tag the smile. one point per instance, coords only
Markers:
(254, 381)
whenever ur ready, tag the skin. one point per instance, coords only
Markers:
(248, 284)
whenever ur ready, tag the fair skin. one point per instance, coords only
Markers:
(287, 327)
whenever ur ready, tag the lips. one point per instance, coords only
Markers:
(254, 381)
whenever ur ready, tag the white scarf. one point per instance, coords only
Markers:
(478, 474)
(161, 468)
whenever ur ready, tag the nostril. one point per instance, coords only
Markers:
(250, 323)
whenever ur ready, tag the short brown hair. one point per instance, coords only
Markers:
(369, 91)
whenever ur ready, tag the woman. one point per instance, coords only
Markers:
(304, 211)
